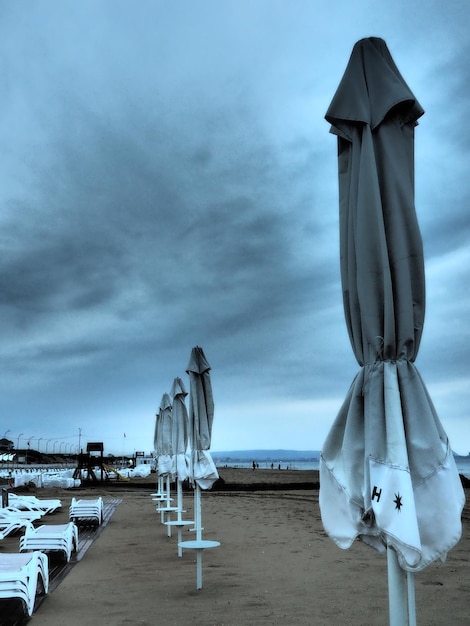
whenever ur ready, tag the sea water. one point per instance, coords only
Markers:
(462, 462)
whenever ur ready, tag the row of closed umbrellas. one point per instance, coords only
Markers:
(387, 473)
(182, 442)
(182, 439)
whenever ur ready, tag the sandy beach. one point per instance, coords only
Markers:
(275, 564)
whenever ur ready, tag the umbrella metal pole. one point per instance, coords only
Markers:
(179, 500)
(161, 496)
(410, 578)
(168, 504)
(198, 519)
(162, 504)
(397, 592)
(197, 512)
(168, 490)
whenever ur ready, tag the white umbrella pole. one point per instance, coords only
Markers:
(198, 520)
(162, 503)
(397, 596)
(197, 512)
(179, 498)
(168, 504)
(410, 577)
(168, 490)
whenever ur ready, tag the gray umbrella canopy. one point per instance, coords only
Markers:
(387, 470)
(156, 434)
(201, 409)
(201, 417)
(163, 436)
(180, 428)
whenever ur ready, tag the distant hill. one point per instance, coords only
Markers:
(266, 455)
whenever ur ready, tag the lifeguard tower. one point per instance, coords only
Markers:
(88, 462)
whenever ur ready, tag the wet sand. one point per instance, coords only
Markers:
(275, 564)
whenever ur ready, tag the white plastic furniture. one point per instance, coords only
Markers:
(11, 524)
(29, 516)
(31, 503)
(86, 511)
(22, 576)
(61, 538)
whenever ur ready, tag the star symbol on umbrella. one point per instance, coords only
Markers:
(398, 502)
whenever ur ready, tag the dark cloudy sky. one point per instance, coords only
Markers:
(168, 180)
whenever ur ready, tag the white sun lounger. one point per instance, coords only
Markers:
(86, 511)
(31, 503)
(10, 524)
(22, 576)
(29, 516)
(17, 503)
(51, 538)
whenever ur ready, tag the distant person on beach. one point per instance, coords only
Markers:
(254, 465)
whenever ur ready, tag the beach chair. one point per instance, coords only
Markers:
(62, 538)
(31, 503)
(29, 516)
(16, 502)
(86, 511)
(23, 577)
(10, 524)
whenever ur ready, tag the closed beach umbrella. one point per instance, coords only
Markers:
(180, 428)
(165, 437)
(388, 475)
(156, 452)
(157, 439)
(180, 469)
(164, 451)
(203, 472)
(201, 416)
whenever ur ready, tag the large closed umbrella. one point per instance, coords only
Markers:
(180, 448)
(164, 450)
(388, 475)
(201, 417)
(165, 437)
(180, 429)
(203, 472)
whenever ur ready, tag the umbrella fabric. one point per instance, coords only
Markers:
(156, 434)
(388, 474)
(180, 429)
(164, 436)
(201, 417)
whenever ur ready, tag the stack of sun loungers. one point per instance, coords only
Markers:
(25, 574)
(22, 577)
(86, 511)
(62, 538)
